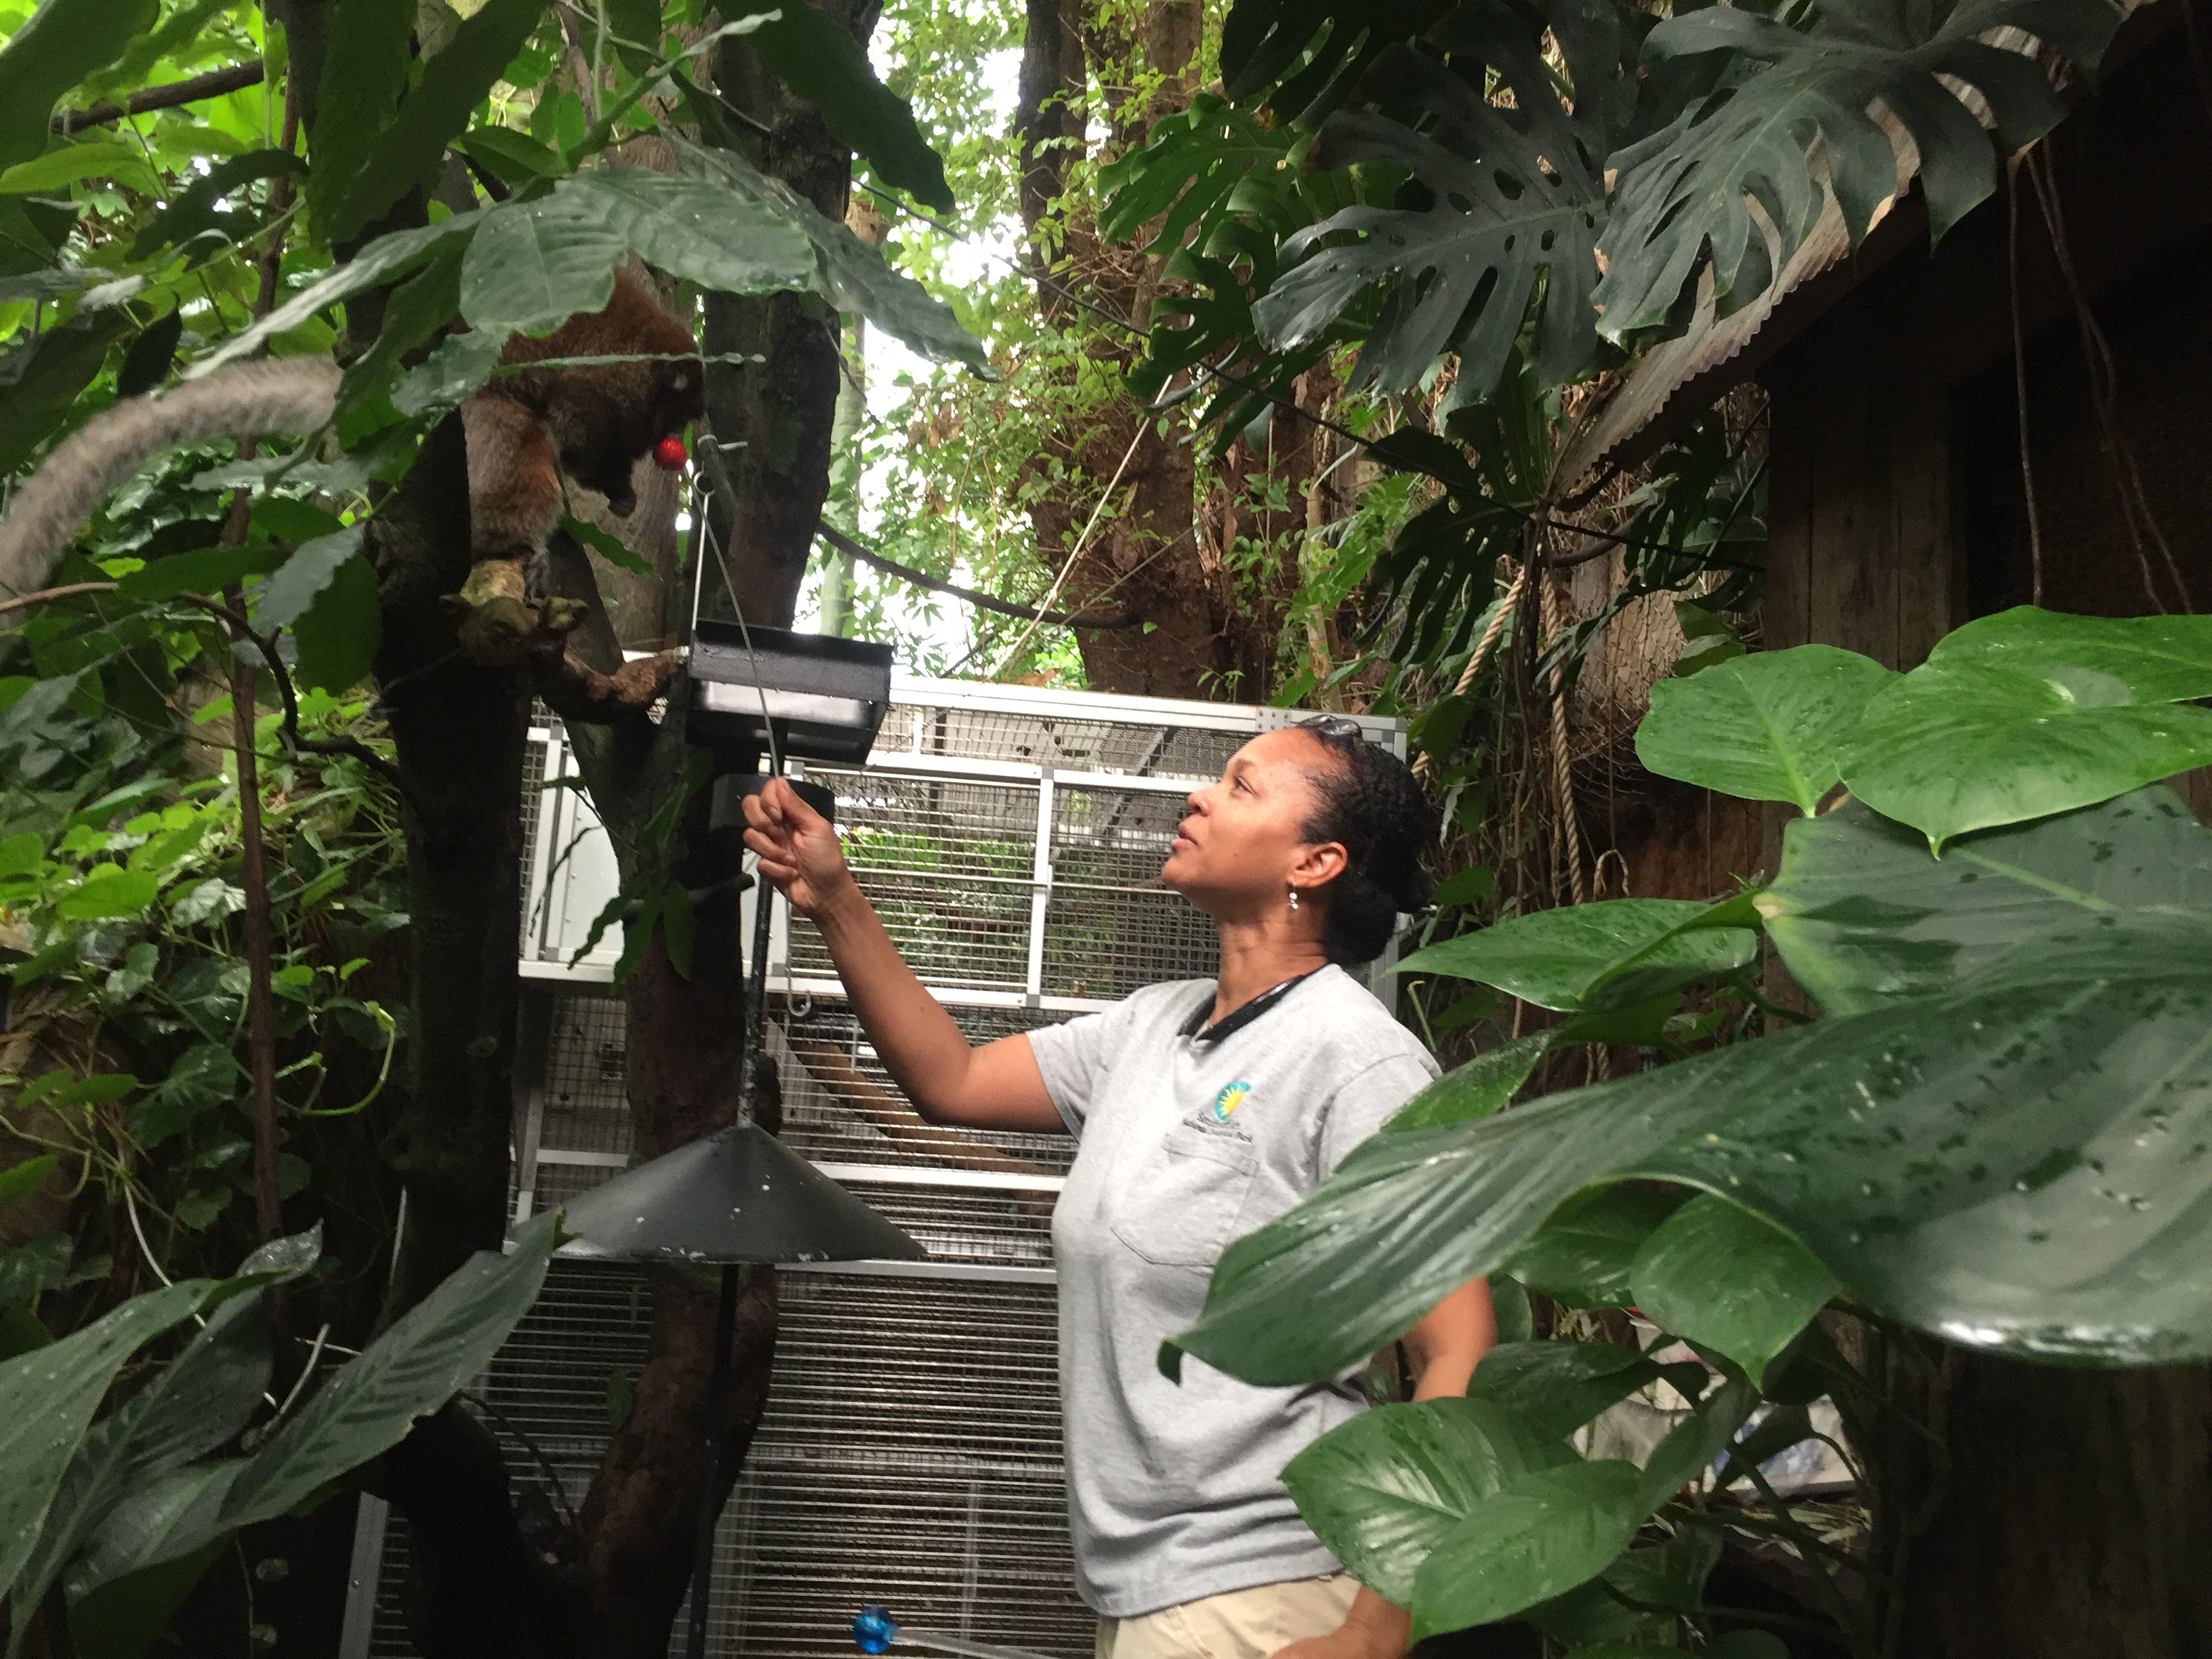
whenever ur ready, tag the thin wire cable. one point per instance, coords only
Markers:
(1076, 552)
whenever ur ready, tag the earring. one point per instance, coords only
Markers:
(1294, 898)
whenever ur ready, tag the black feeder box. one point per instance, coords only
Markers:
(739, 1196)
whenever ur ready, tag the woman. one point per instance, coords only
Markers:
(1203, 1109)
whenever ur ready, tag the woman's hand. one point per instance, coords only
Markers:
(798, 848)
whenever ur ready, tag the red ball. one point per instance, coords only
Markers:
(669, 453)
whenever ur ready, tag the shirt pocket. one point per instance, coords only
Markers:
(1182, 1202)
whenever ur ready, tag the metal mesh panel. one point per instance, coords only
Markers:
(948, 864)
(829, 1119)
(533, 793)
(909, 1455)
(587, 1106)
(1079, 746)
(1111, 927)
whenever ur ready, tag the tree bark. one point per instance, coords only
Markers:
(2073, 1519)
(782, 407)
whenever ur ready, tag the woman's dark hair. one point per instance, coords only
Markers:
(1369, 802)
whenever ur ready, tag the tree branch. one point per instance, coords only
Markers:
(213, 84)
(1096, 621)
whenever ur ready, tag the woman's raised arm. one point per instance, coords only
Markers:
(997, 1086)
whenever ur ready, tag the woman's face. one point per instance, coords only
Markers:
(1245, 837)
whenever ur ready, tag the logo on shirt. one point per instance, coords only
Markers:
(1231, 1097)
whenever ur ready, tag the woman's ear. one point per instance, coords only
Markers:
(1320, 863)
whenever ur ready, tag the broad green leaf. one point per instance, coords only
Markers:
(193, 1405)
(417, 313)
(516, 157)
(1475, 1090)
(62, 43)
(368, 56)
(536, 263)
(147, 364)
(1767, 727)
(20, 854)
(1948, 749)
(1515, 202)
(1863, 915)
(1554, 1387)
(287, 1257)
(177, 1517)
(1693, 1445)
(310, 570)
(1683, 195)
(379, 261)
(206, 570)
(606, 546)
(109, 889)
(852, 275)
(22, 1179)
(1580, 1255)
(40, 380)
(827, 66)
(38, 1264)
(1774, 1434)
(450, 375)
(406, 153)
(67, 164)
(1382, 1490)
(1670, 1575)
(2155, 658)
(2006, 1165)
(408, 1372)
(124, 1620)
(1616, 951)
(47, 1398)
(1714, 1273)
(339, 632)
(179, 30)
(1530, 1540)
(1185, 173)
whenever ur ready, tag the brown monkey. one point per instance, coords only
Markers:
(594, 421)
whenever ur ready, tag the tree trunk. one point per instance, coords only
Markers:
(2075, 1516)
(782, 408)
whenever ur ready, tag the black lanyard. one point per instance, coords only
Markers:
(1198, 1031)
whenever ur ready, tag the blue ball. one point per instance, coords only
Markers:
(875, 1629)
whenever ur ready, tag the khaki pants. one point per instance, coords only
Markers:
(1246, 1623)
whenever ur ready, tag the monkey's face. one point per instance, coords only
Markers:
(614, 425)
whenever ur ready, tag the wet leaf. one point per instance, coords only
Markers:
(1610, 954)
(1713, 1272)
(1581, 1254)
(1530, 1540)
(1767, 727)
(1475, 1090)
(1382, 1490)
(1557, 1387)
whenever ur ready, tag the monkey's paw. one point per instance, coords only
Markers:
(496, 620)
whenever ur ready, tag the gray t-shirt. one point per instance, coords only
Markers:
(1188, 1142)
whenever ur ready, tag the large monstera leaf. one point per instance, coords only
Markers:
(1312, 52)
(1687, 189)
(2014, 1164)
(1517, 203)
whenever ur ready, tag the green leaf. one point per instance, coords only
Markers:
(406, 153)
(147, 364)
(379, 263)
(173, 1519)
(606, 546)
(22, 855)
(1580, 1254)
(1382, 1490)
(2006, 1165)
(192, 211)
(109, 889)
(1185, 173)
(62, 43)
(1765, 727)
(825, 65)
(1508, 234)
(1714, 1273)
(39, 382)
(516, 157)
(206, 570)
(417, 313)
(2031, 713)
(1668, 1576)
(20, 1180)
(677, 925)
(204, 1076)
(1616, 951)
(1683, 195)
(1475, 1090)
(47, 1398)
(1554, 1387)
(192, 1406)
(1534, 1538)
(124, 1620)
(311, 569)
(536, 263)
(450, 375)
(852, 275)
(1693, 1446)
(1863, 917)
(339, 632)
(36, 1265)
(70, 163)
(368, 56)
